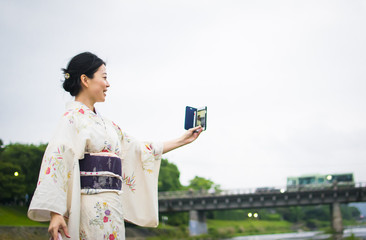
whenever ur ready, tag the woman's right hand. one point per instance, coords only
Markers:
(57, 223)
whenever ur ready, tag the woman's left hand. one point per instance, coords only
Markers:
(189, 136)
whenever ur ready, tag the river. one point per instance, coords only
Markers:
(359, 232)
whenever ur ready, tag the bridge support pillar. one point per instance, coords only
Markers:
(197, 223)
(337, 220)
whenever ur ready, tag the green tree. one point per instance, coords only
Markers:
(2, 147)
(291, 214)
(11, 184)
(350, 212)
(316, 213)
(200, 183)
(169, 177)
(169, 181)
(321, 212)
(28, 158)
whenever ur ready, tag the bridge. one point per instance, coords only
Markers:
(197, 202)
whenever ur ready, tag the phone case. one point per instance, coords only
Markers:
(195, 117)
(190, 119)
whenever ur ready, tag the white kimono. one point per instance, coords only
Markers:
(101, 213)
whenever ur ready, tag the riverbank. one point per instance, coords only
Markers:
(348, 234)
(40, 233)
(15, 225)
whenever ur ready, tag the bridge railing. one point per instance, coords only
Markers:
(211, 192)
(259, 190)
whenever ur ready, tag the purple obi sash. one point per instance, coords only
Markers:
(100, 172)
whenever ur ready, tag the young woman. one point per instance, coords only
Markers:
(93, 175)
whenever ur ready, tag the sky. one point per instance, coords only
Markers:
(283, 81)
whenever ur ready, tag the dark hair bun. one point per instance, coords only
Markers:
(84, 63)
(71, 83)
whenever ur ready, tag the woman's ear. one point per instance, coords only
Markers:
(84, 81)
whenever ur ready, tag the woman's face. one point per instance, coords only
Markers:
(98, 85)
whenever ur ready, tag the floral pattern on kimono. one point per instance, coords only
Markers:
(104, 219)
(82, 131)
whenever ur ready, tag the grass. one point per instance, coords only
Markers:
(15, 225)
(247, 227)
(17, 216)
(220, 229)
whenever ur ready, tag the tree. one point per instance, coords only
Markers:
(28, 158)
(350, 212)
(200, 183)
(291, 214)
(2, 148)
(11, 182)
(169, 177)
(169, 181)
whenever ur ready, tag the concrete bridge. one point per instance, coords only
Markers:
(197, 202)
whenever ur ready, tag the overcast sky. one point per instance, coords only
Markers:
(284, 81)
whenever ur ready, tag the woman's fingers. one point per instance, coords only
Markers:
(57, 223)
(66, 231)
(53, 232)
(195, 130)
(193, 133)
(54, 226)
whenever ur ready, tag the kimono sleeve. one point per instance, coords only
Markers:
(54, 184)
(140, 173)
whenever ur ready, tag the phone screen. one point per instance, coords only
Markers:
(202, 118)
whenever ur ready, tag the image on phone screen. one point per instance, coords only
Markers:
(201, 117)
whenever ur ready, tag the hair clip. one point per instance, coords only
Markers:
(67, 75)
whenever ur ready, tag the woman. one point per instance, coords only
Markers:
(93, 175)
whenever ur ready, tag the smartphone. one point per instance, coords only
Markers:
(195, 117)
(201, 118)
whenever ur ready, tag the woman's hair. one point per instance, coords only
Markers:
(84, 63)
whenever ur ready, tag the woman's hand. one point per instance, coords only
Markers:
(57, 222)
(189, 136)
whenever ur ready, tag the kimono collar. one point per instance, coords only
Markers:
(77, 104)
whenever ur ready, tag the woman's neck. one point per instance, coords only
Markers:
(87, 101)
